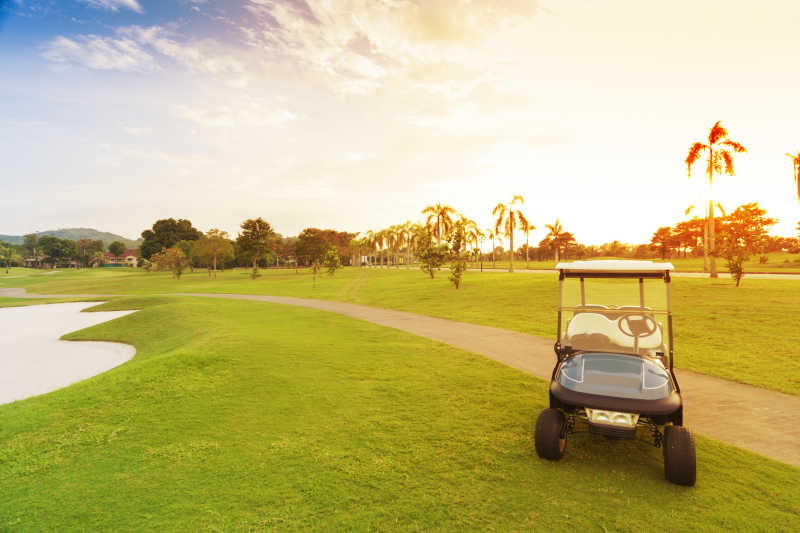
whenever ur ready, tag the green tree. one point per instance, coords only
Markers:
(31, 244)
(57, 249)
(431, 256)
(96, 259)
(165, 233)
(457, 255)
(744, 233)
(116, 249)
(719, 152)
(172, 259)
(214, 244)
(663, 240)
(507, 221)
(332, 262)
(255, 239)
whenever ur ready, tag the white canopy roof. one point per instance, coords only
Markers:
(615, 265)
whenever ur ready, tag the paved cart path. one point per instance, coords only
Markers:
(760, 420)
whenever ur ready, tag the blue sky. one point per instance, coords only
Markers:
(356, 114)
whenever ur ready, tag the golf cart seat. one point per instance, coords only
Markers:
(597, 332)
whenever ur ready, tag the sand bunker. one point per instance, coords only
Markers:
(32, 359)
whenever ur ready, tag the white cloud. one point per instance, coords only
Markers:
(247, 114)
(142, 49)
(100, 53)
(115, 5)
(362, 46)
(196, 54)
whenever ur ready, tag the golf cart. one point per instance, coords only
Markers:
(614, 369)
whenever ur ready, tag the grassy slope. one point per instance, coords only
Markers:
(249, 416)
(745, 334)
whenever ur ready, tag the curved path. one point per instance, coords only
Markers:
(757, 419)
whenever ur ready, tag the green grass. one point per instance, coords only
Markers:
(245, 416)
(777, 262)
(745, 334)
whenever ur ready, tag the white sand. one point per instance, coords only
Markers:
(32, 359)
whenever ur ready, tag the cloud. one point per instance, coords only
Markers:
(143, 49)
(196, 54)
(100, 53)
(362, 46)
(247, 114)
(114, 5)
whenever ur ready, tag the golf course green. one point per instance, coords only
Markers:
(248, 416)
(744, 334)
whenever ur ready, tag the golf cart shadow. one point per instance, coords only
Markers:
(617, 458)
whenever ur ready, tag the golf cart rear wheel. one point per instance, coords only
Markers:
(680, 465)
(551, 435)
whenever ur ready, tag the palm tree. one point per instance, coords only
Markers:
(439, 219)
(556, 234)
(796, 165)
(507, 218)
(490, 232)
(720, 159)
(526, 227)
(96, 259)
(471, 230)
(370, 240)
(7, 253)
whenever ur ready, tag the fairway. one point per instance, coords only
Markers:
(251, 416)
(744, 334)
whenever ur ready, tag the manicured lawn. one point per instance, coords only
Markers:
(746, 334)
(777, 262)
(250, 416)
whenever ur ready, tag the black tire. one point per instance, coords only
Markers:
(550, 436)
(680, 463)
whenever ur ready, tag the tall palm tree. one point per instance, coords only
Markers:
(380, 242)
(471, 231)
(720, 159)
(490, 232)
(370, 240)
(796, 166)
(556, 234)
(507, 218)
(439, 219)
(526, 228)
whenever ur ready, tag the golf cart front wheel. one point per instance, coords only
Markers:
(680, 465)
(551, 435)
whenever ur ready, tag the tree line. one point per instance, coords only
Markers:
(176, 245)
(50, 251)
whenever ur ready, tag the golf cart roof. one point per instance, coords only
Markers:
(615, 268)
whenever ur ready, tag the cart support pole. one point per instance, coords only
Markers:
(641, 292)
(560, 305)
(669, 325)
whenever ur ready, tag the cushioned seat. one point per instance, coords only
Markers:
(594, 331)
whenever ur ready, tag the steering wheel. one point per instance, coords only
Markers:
(637, 325)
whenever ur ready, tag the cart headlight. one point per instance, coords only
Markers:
(612, 418)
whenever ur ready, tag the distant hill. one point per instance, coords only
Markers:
(75, 234)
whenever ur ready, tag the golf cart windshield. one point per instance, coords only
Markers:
(615, 307)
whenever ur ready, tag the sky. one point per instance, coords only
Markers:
(357, 114)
